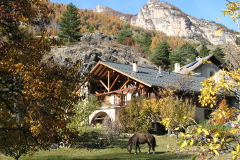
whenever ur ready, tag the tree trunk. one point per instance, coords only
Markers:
(169, 131)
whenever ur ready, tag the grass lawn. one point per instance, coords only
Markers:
(116, 152)
(109, 153)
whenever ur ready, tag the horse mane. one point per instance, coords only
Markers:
(130, 141)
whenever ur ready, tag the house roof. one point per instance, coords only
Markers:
(147, 76)
(194, 65)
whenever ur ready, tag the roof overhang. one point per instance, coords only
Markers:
(100, 70)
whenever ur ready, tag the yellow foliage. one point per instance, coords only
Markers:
(170, 110)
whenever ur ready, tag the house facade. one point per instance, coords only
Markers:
(205, 67)
(114, 84)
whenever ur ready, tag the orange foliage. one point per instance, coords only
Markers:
(222, 114)
(111, 25)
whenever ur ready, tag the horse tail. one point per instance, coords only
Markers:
(154, 142)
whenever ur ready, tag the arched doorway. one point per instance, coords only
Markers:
(99, 118)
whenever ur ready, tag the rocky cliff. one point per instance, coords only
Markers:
(94, 47)
(162, 16)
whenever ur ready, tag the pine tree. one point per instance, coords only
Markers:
(189, 52)
(161, 53)
(176, 57)
(70, 24)
(125, 33)
(204, 51)
(218, 52)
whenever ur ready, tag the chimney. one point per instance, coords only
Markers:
(198, 58)
(135, 68)
(159, 74)
(176, 67)
(159, 69)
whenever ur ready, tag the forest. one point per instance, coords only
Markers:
(150, 43)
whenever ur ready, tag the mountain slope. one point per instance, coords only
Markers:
(162, 16)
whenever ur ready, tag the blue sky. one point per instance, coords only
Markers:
(205, 9)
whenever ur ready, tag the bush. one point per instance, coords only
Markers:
(113, 128)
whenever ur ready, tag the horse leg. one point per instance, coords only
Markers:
(136, 146)
(139, 151)
(149, 147)
(153, 148)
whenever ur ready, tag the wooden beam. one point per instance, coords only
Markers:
(100, 68)
(103, 84)
(120, 90)
(125, 83)
(109, 80)
(102, 72)
(114, 82)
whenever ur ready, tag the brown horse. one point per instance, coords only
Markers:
(137, 139)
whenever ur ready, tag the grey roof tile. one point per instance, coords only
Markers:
(153, 77)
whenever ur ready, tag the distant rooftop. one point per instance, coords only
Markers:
(194, 65)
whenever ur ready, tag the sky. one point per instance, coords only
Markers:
(205, 9)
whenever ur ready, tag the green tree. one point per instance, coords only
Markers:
(70, 24)
(184, 55)
(36, 97)
(189, 52)
(204, 51)
(175, 57)
(218, 52)
(160, 56)
(123, 34)
(144, 40)
(82, 109)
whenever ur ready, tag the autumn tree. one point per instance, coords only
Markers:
(132, 119)
(211, 140)
(36, 97)
(70, 24)
(222, 114)
(171, 110)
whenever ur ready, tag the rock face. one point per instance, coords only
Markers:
(101, 8)
(96, 47)
(162, 16)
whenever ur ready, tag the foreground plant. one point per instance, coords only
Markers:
(212, 139)
(36, 98)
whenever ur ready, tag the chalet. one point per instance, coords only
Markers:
(114, 84)
(202, 66)
(205, 67)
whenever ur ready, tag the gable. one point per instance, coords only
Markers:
(199, 67)
(146, 76)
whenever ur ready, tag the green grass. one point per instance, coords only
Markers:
(118, 151)
(110, 152)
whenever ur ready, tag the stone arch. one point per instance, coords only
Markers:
(99, 115)
(98, 118)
